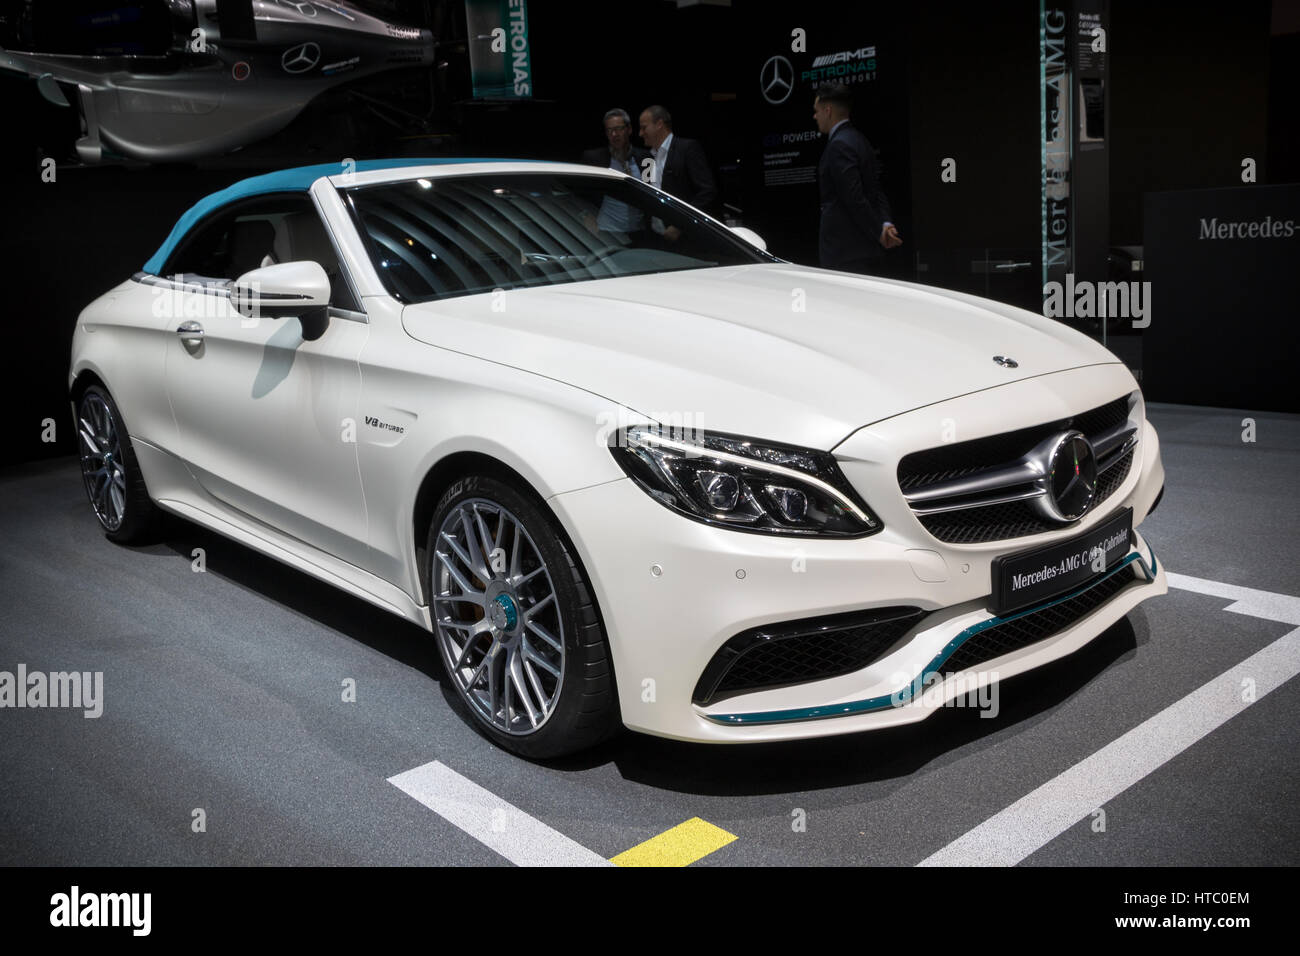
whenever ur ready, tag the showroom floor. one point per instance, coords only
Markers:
(223, 694)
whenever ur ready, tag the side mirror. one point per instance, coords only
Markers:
(286, 289)
(750, 236)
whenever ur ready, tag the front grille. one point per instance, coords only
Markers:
(965, 458)
(1021, 632)
(795, 652)
(1113, 477)
(993, 523)
(1014, 519)
(974, 523)
(1104, 417)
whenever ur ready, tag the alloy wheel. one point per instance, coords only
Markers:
(498, 617)
(100, 447)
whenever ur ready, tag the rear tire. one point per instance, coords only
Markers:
(114, 483)
(516, 624)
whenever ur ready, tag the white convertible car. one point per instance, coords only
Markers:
(628, 468)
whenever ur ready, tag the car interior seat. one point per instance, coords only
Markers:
(251, 240)
(302, 238)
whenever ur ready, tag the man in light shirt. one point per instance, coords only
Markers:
(618, 154)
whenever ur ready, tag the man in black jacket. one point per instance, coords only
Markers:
(856, 226)
(680, 167)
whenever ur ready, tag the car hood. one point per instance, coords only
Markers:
(773, 351)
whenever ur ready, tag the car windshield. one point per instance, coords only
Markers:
(459, 235)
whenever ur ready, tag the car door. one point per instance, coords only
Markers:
(266, 420)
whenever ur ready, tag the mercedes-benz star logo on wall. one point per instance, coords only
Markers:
(1006, 362)
(1071, 479)
(776, 80)
(304, 8)
(300, 58)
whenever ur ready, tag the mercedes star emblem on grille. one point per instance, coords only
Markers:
(1071, 477)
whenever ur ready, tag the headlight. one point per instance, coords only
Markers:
(744, 484)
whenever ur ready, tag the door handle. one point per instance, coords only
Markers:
(191, 333)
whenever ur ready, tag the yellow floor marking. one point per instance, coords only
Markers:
(680, 846)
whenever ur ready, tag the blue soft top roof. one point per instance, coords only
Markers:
(298, 179)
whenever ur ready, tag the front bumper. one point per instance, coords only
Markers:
(673, 591)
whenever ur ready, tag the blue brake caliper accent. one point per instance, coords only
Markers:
(512, 612)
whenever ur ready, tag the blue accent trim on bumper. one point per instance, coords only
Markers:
(918, 683)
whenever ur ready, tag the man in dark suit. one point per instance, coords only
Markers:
(856, 226)
(680, 166)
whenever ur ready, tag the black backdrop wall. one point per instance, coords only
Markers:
(1196, 86)
(867, 47)
(975, 100)
(65, 242)
(1190, 101)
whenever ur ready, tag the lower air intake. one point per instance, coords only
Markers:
(1020, 632)
(794, 652)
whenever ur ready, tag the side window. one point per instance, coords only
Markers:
(300, 236)
(263, 232)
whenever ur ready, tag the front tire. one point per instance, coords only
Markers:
(516, 624)
(114, 482)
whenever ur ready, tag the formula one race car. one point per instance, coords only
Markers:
(176, 80)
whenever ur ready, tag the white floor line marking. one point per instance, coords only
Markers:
(1041, 816)
(522, 839)
(1269, 605)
